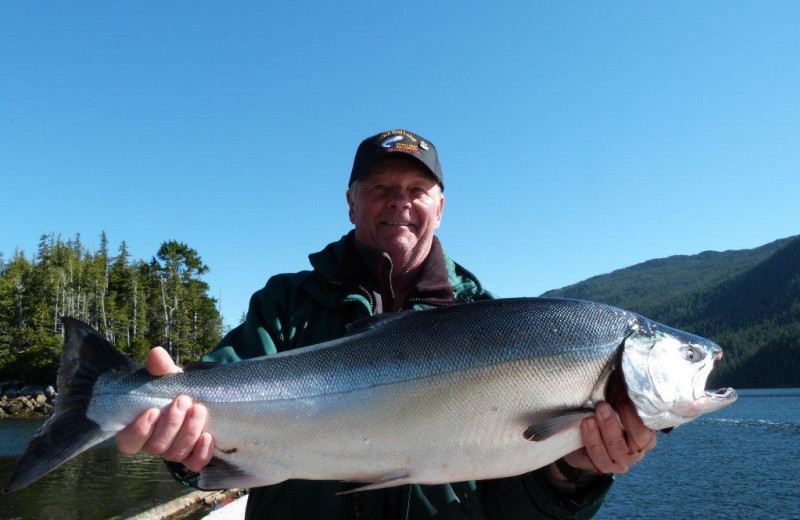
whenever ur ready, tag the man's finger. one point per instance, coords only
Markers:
(193, 424)
(201, 454)
(616, 448)
(168, 426)
(133, 437)
(640, 438)
(595, 447)
(159, 362)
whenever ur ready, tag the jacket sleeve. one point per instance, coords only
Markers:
(536, 495)
(260, 334)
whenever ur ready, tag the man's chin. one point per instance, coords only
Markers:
(398, 246)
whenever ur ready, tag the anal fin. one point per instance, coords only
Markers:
(393, 479)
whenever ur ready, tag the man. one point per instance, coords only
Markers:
(391, 261)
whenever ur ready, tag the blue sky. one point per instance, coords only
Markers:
(575, 137)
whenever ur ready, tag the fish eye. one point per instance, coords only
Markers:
(692, 354)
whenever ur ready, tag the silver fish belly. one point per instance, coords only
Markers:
(429, 397)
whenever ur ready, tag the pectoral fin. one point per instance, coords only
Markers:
(549, 427)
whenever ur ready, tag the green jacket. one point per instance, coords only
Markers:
(308, 307)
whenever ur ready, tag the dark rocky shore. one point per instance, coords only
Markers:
(26, 401)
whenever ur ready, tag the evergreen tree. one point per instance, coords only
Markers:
(123, 298)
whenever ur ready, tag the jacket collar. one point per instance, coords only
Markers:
(358, 268)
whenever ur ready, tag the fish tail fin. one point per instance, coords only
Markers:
(85, 357)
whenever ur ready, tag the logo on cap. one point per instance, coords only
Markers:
(389, 141)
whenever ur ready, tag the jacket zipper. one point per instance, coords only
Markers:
(361, 290)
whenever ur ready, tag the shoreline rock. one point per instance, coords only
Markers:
(26, 402)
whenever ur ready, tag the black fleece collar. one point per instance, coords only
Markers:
(372, 271)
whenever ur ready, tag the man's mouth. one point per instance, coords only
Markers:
(396, 223)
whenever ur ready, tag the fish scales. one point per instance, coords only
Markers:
(433, 396)
(419, 345)
(389, 380)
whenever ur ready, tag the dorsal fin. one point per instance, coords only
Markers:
(199, 365)
(373, 322)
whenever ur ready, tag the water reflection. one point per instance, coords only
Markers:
(101, 483)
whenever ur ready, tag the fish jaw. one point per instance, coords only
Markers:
(713, 401)
(666, 371)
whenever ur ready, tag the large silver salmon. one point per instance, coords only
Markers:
(474, 391)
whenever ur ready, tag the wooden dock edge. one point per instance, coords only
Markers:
(187, 504)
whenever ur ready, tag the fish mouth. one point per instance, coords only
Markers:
(723, 394)
(713, 401)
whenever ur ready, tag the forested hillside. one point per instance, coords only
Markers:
(136, 303)
(747, 301)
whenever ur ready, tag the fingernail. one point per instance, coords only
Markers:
(628, 442)
(152, 416)
(605, 412)
(183, 403)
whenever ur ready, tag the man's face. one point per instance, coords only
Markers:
(397, 208)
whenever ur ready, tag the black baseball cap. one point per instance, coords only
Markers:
(381, 146)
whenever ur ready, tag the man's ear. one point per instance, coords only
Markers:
(350, 204)
(441, 210)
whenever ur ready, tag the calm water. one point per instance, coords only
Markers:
(741, 462)
(99, 484)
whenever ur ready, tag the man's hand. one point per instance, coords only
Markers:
(612, 443)
(176, 434)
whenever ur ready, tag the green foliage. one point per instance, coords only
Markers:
(121, 298)
(34, 358)
(746, 301)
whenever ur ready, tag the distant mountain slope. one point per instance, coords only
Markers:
(644, 286)
(747, 301)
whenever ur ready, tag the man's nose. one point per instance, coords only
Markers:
(400, 198)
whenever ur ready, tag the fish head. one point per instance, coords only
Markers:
(665, 372)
